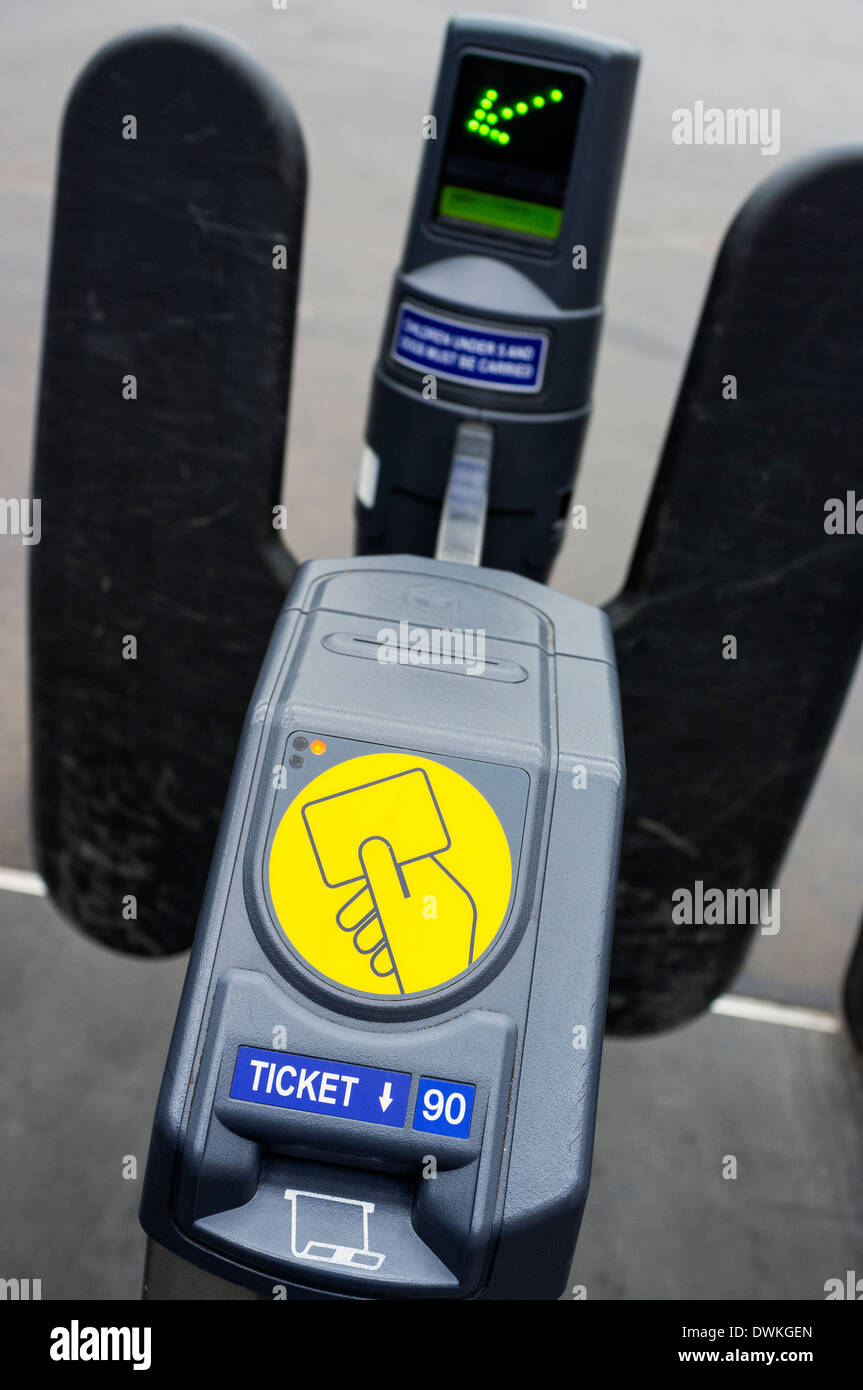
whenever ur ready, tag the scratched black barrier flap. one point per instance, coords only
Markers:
(740, 623)
(161, 426)
(852, 994)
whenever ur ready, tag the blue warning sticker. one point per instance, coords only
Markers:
(497, 359)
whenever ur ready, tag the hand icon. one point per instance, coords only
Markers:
(413, 920)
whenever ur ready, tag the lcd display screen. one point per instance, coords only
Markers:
(509, 147)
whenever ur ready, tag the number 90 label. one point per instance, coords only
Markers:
(444, 1107)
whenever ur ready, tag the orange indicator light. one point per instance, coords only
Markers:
(318, 746)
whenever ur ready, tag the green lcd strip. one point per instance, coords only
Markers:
(513, 214)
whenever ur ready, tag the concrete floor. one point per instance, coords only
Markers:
(83, 1033)
(663, 1222)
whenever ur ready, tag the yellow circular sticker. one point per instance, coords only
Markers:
(390, 873)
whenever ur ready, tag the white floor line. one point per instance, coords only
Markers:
(22, 881)
(786, 1015)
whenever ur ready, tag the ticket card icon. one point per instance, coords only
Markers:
(401, 810)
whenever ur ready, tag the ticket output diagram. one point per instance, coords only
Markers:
(390, 884)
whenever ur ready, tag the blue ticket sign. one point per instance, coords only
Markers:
(444, 1107)
(293, 1082)
(499, 359)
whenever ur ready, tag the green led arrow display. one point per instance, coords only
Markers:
(489, 122)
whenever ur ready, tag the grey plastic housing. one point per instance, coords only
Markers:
(524, 1024)
(483, 280)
